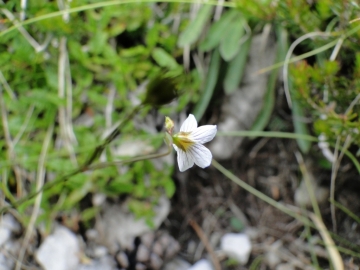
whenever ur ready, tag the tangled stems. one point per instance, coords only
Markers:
(88, 164)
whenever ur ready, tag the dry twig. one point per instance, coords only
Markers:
(206, 243)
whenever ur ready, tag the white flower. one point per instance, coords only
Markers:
(188, 144)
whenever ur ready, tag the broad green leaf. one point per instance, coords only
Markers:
(230, 44)
(217, 30)
(164, 59)
(211, 80)
(195, 28)
(236, 68)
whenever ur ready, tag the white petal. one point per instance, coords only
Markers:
(201, 155)
(189, 124)
(185, 160)
(203, 134)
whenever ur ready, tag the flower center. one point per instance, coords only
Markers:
(182, 141)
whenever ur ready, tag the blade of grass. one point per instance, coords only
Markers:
(313, 52)
(236, 68)
(260, 195)
(211, 80)
(285, 135)
(106, 4)
(346, 210)
(329, 243)
(269, 98)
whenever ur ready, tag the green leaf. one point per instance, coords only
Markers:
(45, 99)
(299, 125)
(263, 118)
(230, 44)
(211, 80)
(236, 68)
(217, 31)
(169, 187)
(164, 59)
(195, 28)
(236, 224)
(89, 214)
(78, 194)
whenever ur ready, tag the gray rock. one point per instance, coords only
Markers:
(118, 226)
(177, 264)
(241, 108)
(203, 264)
(8, 225)
(8, 254)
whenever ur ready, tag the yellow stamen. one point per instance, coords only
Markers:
(182, 141)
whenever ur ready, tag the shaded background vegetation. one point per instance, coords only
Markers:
(68, 76)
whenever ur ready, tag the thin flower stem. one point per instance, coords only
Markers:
(260, 195)
(271, 134)
(288, 57)
(285, 135)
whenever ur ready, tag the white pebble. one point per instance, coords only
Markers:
(202, 265)
(236, 246)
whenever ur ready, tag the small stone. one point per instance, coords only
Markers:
(100, 251)
(142, 254)
(59, 251)
(158, 248)
(148, 239)
(98, 199)
(104, 263)
(122, 259)
(285, 266)
(302, 197)
(8, 224)
(118, 226)
(236, 246)
(202, 265)
(155, 261)
(177, 264)
(272, 256)
(165, 240)
(92, 234)
(7, 261)
(172, 249)
(140, 266)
